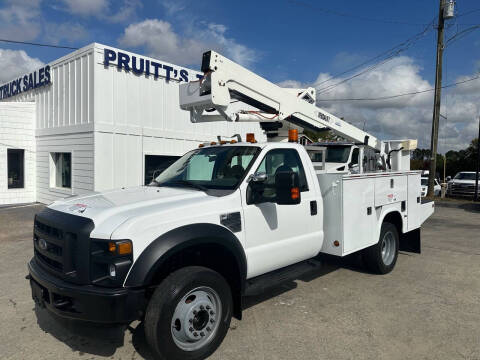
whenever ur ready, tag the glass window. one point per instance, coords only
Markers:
(338, 154)
(355, 155)
(465, 176)
(220, 167)
(156, 164)
(15, 168)
(62, 170)
(281, 160)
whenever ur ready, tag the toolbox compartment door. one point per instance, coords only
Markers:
(390, 189)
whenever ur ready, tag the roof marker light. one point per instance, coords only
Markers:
(251, 138)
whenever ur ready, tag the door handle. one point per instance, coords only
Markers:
(313, 208)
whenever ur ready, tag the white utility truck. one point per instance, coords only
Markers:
(227, 219)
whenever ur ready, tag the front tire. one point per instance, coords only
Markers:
(189, 314)
(382, 257)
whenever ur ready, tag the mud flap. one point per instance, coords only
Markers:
(411, 242)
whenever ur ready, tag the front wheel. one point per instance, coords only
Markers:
(382, 257)
(189, 314)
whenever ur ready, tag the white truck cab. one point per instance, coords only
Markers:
(225, 220)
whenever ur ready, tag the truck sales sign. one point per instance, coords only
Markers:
(34, 80)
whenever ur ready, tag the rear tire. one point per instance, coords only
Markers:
(382, 257)
(189, 314)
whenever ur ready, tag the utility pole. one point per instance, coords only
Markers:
(475, 194)
(436, 102)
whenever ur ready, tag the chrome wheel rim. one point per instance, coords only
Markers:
(196, 319)
(388, 248)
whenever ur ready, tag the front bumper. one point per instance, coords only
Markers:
(85, 302)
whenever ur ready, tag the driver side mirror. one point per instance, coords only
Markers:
(287, 186)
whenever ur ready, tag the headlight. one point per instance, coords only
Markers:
(110, 261)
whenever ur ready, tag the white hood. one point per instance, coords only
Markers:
(119, 205)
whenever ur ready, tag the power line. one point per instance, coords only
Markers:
(467, 13)
(461, 34)
(405, 94)
(342, 14)
(369, 60)
(391, 54)
(38, 44)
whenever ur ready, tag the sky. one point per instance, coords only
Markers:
(294, 43)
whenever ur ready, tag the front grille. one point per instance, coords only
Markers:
(54, 248)
(50, 262)
(62, 245)
(49, 244)
(462, 189)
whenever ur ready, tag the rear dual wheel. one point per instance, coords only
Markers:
(382, 257)
(189, 314)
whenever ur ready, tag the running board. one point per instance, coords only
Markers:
(259, 284)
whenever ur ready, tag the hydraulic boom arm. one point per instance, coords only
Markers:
(225, 81)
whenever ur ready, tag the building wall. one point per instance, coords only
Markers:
(17, 132)
(81, 146)
(68, 100)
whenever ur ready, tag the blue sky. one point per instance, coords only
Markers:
(294, 43)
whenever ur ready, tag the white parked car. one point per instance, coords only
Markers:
(437, 188)
(463, 184)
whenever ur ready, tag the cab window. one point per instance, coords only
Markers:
(281, 160)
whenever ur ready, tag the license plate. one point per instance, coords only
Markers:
(38, 293)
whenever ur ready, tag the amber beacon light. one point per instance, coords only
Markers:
(293, 135)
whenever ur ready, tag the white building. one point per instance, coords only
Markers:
(96, 119)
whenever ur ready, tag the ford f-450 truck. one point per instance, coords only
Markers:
(181, 253)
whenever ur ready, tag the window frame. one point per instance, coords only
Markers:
(53, 172)
(22, 169)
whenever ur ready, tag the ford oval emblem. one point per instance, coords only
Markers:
(43, 244)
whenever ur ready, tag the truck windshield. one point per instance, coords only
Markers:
(335, 154)
(465, 176)
(210, 168)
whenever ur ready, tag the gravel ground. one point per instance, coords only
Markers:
(427, 308)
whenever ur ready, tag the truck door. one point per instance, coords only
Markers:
(279, 235)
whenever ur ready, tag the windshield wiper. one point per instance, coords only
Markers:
(186, 183)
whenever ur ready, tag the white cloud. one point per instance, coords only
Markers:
(402, 117)
(87, 7)
(65, 32)
(161, 41)
(15, 63)
(102, 9)
(19, 19)
(173, 7)
(127, 11)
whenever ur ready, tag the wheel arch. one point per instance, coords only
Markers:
(204, 244)
(394, 217)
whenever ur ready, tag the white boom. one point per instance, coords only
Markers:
(225, 82)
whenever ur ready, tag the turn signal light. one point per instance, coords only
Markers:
(295, 192)
(120, 248)
(293, 135)
(124, 248)
(233, 141)
(223, 142)
(201, 145)
(213, 143)
(251, 138)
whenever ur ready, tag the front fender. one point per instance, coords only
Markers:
(155, 254)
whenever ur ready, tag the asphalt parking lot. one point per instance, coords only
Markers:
(427, 308)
